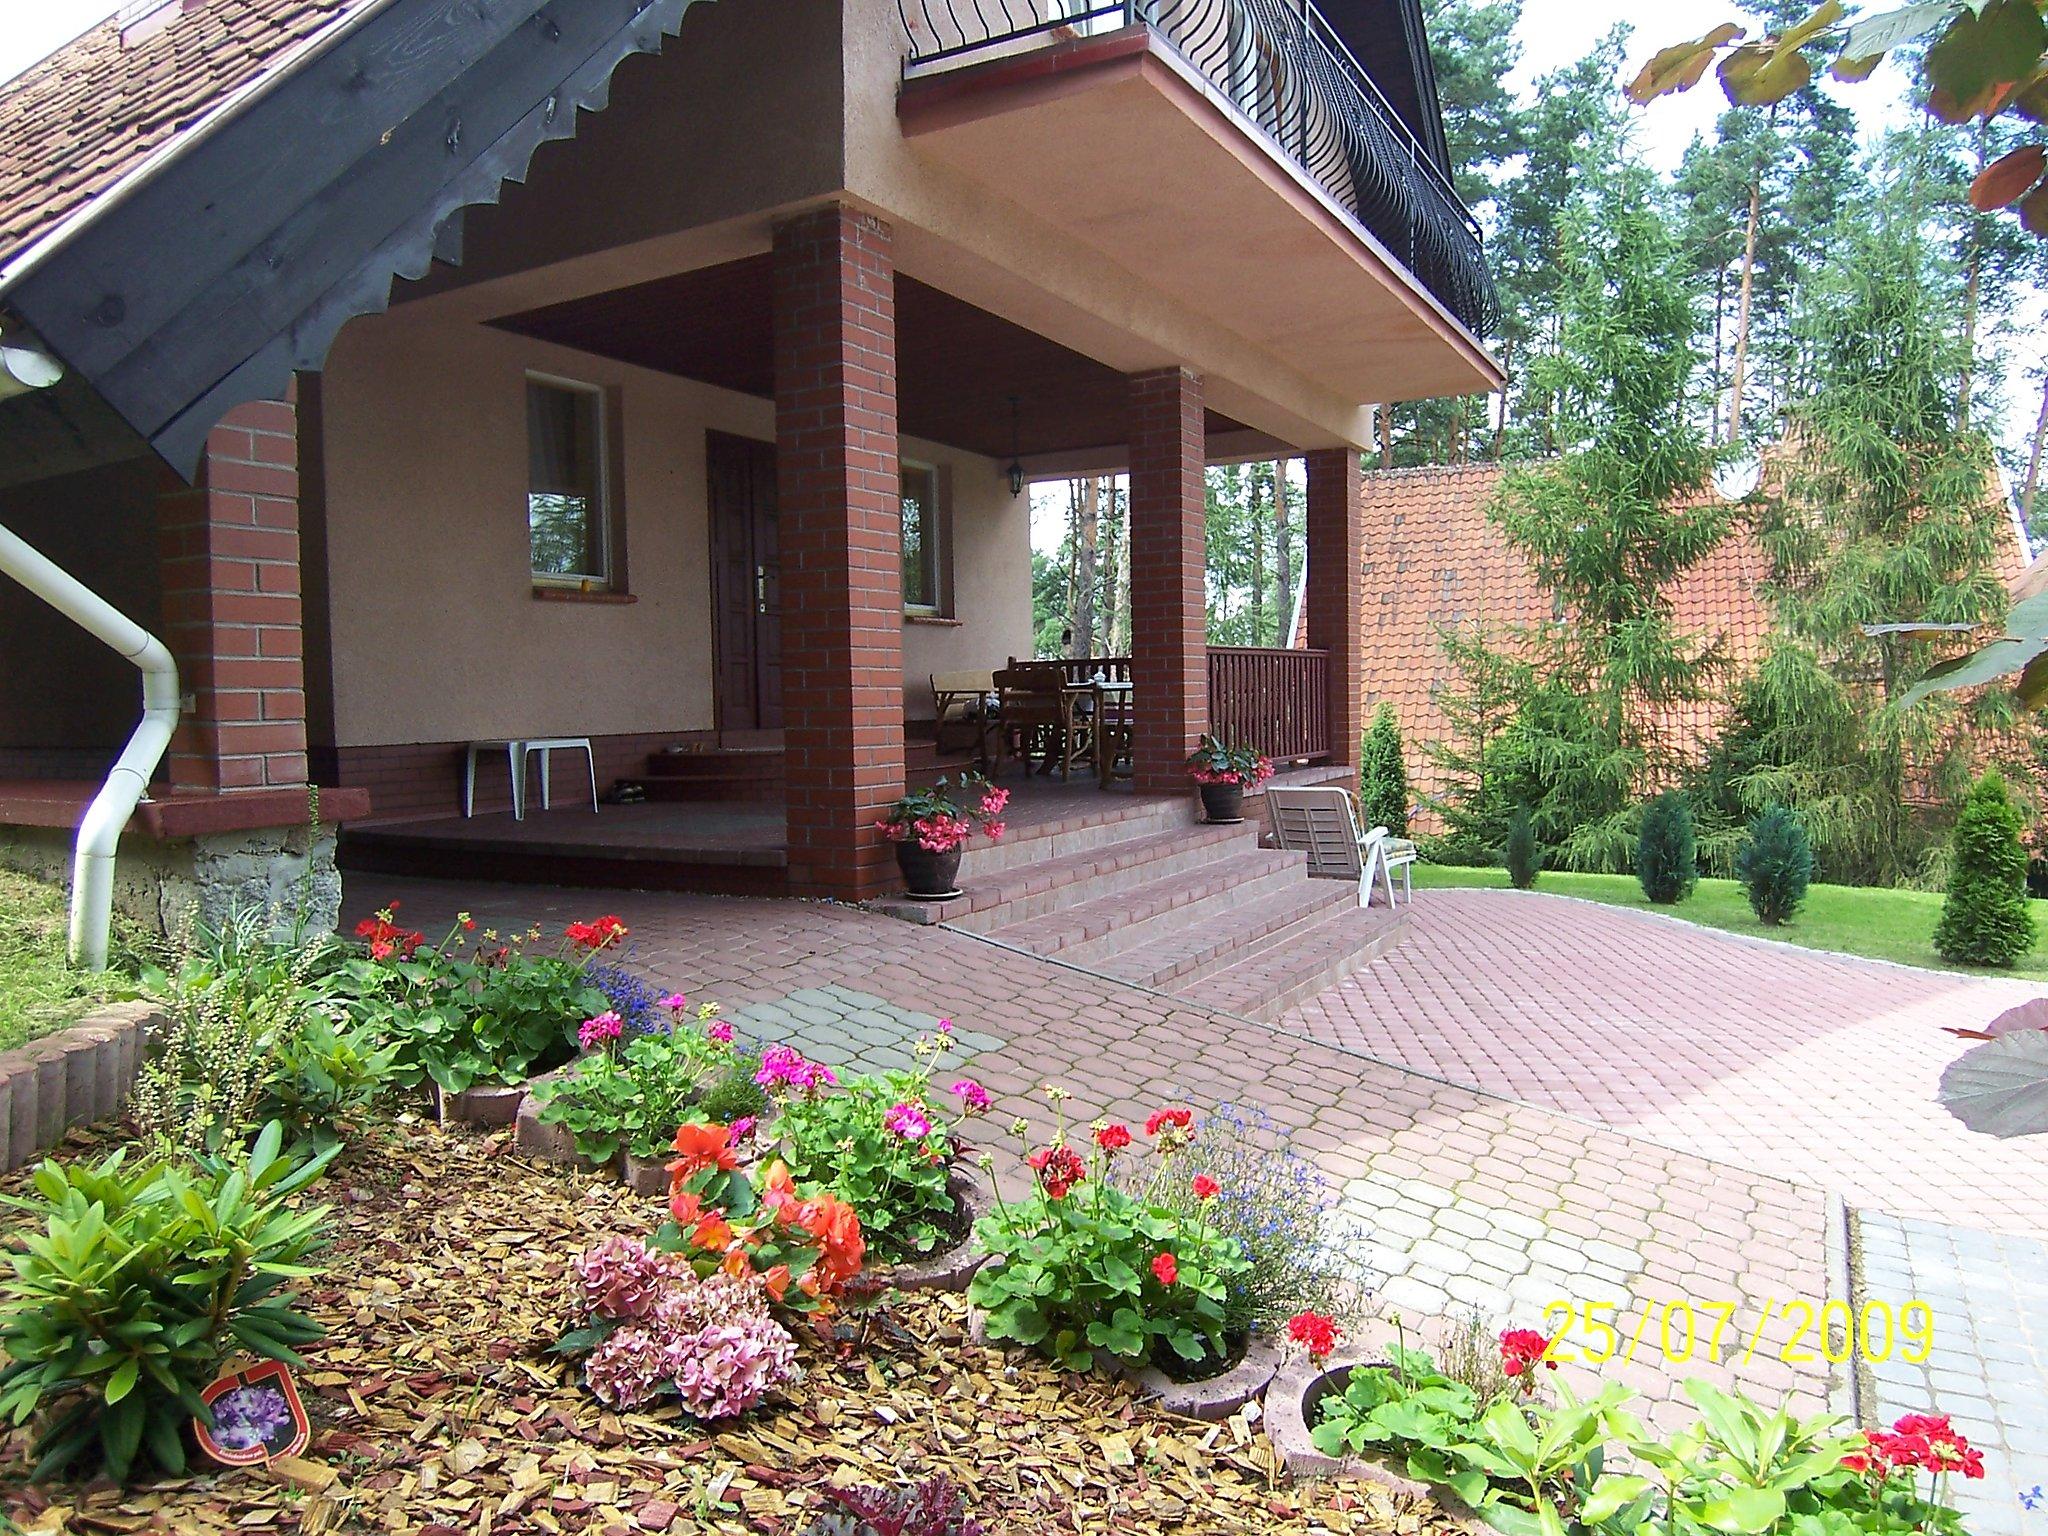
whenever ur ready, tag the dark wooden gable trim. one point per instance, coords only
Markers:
(210, 281)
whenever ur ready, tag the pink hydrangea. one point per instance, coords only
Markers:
(725, 1369)
(711, 1341)
(628, 1368)
(971, 1094)
(908, 1121)
(623, 1278)
(602, 1030)
(784, 1066)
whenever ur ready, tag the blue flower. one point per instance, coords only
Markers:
(2033, 1498)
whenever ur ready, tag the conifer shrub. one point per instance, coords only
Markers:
(1667, 853)
(1985, 920)
(1521, 853)
(1775, 864)
(1382, 776)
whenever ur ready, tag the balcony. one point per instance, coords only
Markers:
(1136, 122)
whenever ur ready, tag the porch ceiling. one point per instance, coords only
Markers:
(956, 364)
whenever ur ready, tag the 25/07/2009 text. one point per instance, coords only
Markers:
(1595, 1331)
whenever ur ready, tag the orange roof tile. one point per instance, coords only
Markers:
(73, 125)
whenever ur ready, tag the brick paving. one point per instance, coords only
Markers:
(1783, 1061)
(1988, 1364)
(1455, 1200)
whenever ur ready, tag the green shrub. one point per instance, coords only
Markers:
(1775, 864)
(736, 1096)
(1985, 920)
(324, 1077)
(1382, 776)
(1520, 853)
(139, 1287)
(1667, 855)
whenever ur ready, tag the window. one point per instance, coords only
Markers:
(922, 535)
(567, 515)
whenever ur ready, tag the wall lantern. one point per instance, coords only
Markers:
(1016, 470)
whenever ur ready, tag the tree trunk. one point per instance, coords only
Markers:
(1088, 533)
(1720, 327)
(2034, 461)
(1972, 287)
(1756, 191)
(1283, 558)
(1117, 629)
(1386, 415)
(1256, 526)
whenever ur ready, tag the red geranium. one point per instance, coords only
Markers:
(1925, 1441)
(1113, 1138)
(1313, 1332)
(1521, 1350)
(602, 934)
(1167, 1268)
(1059, 1169)
(1206, 1188)
(1179, 1119)
(386, 938)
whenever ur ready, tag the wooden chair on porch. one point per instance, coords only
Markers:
(1320, 821)
(1039, 717)
(961, 702)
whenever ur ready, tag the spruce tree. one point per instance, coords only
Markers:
(1382, 776)
(1986, 920)
(1775, 865)
(1520, 852)
(1667, 855)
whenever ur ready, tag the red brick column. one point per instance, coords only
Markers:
(228, 551)
(840, 532)
(1169, 577)
(1336, 588)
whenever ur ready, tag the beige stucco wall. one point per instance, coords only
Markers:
(436, 633)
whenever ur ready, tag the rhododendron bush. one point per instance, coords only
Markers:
(885, 1143)
(657, 1328)
(1083, 1265)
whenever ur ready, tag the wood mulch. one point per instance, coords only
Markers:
(436, 1412)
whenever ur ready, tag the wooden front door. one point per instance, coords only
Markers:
(746, 582)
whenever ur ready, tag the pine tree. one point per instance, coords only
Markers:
(1775, 865)
(1667, 857)
(1382, 775)
(1986, 920)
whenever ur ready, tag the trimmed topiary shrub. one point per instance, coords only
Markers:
(1775, 864)
(1985, 920)
(1521, 853)
(1382, 776)
(1667, 855)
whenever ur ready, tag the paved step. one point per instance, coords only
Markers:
(1091, 932)
(1296, 962)
(1030, 890)
(1209, 942)
(1110, 820)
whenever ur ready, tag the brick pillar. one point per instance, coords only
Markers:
(228, 552)
(1169, 590)
(839, 534)
(1336, 588)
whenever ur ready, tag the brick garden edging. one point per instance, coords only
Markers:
(72, 1077)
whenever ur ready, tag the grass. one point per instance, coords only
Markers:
(1850, 919)
(38, 991)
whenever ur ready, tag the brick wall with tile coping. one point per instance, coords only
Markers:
(410, 781)
(73, 1077)
(228, 547)
(1169, 574)
(1335, 600)
(839, 536)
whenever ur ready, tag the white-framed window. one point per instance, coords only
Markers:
(924, 534)
(568, 491)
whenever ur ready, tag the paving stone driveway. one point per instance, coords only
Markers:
(1456, 1200)
(1783, 1061)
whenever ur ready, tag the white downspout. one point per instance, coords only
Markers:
(92, 869)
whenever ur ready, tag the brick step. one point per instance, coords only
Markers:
(1097, 826)
(717, 773)
(1295, 963)
(1088, 933)
(1211, 942)
(1012, 895)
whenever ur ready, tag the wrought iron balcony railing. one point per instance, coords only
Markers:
(1292, 75)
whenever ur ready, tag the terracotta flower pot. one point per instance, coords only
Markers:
(928, 876)
(1223, 803)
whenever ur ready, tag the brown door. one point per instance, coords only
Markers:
(746, 582)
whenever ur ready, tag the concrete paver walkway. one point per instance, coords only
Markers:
(1457, 1199)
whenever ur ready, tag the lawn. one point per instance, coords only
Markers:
(38, 992)
(1853, 920)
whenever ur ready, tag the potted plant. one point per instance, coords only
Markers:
(1225, 773)
(930, 827)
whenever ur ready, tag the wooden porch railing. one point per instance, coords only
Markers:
(1275, 701)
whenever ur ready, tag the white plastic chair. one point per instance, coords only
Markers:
(1318, 820)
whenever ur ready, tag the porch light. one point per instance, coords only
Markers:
(25, 366)
(1016, 470)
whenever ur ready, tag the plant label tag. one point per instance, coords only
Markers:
(257, 1415)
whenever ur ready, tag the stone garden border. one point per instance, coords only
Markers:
(71, 1077)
